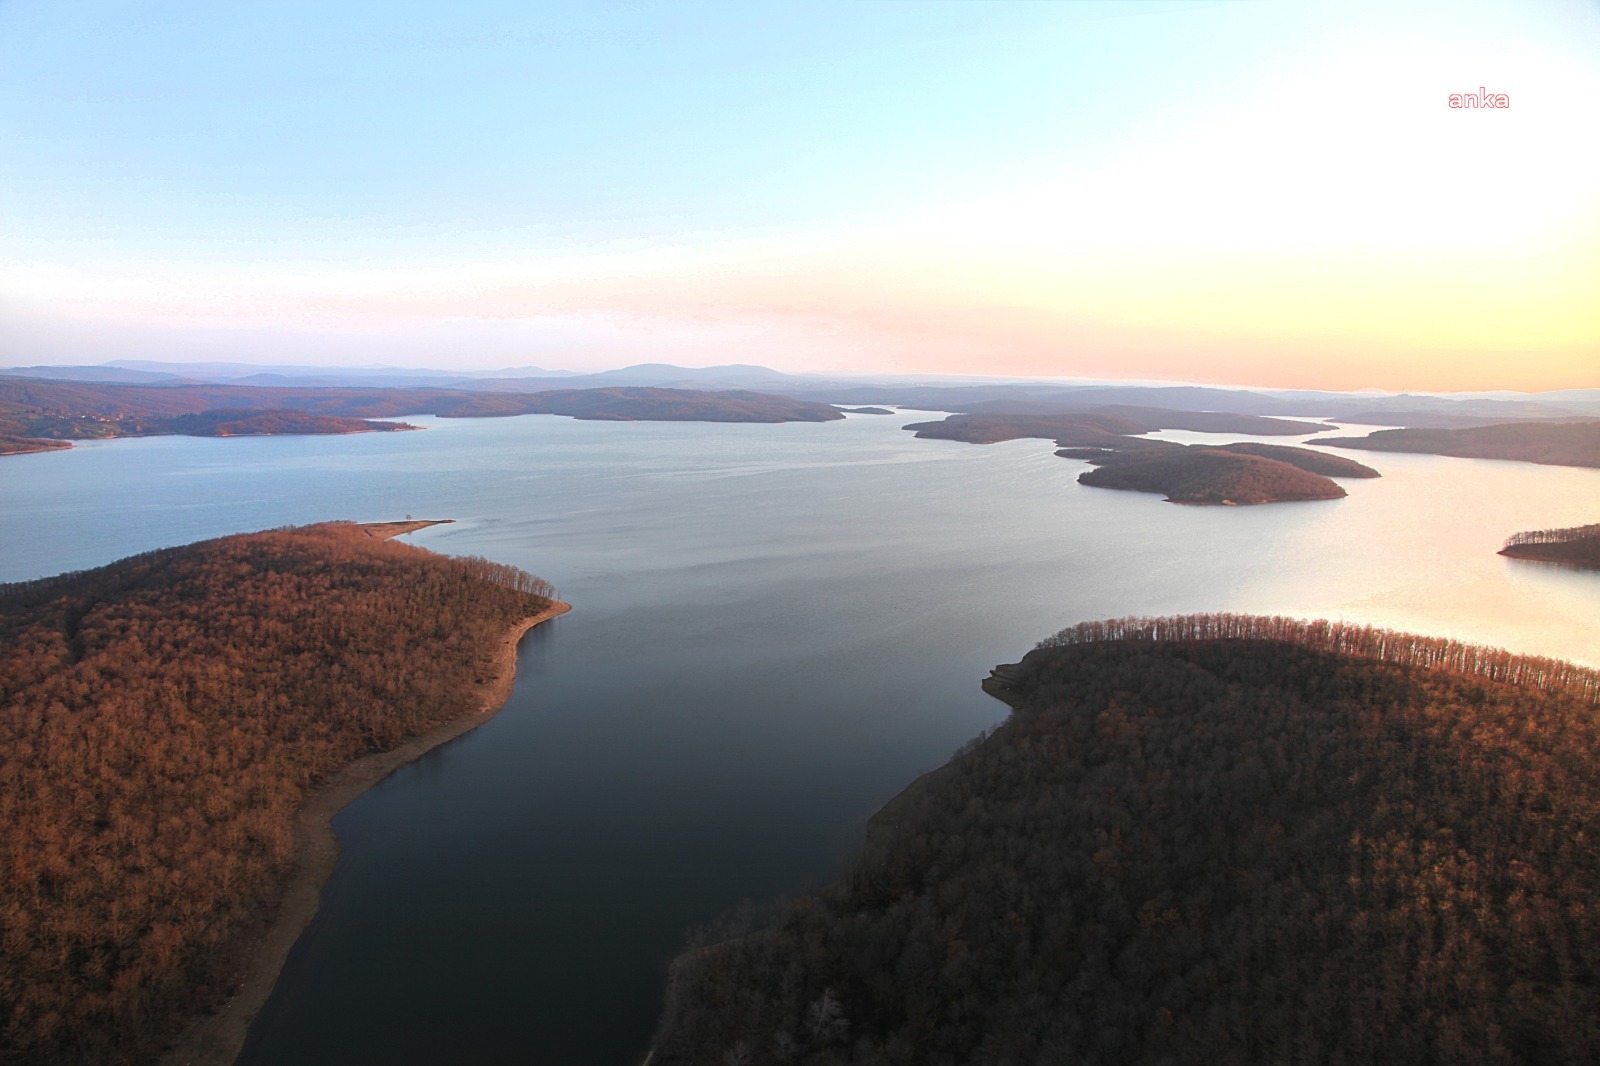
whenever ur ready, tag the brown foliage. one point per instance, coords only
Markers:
(162, 719)
(1214, 839)
(1345, 638)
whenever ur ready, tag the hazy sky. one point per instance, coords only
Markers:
(1232, 192)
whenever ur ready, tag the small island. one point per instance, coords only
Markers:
(1548, 443)
(866, 410)
(1211, 839)
(1198, 476)
(1577, 546)
(179, 729)
(1229, 475)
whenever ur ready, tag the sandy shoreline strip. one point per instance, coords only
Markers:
(215, 1039)
(42, 446)
(388, 530)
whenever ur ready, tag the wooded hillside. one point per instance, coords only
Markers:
(161, 719)
(1207, 840)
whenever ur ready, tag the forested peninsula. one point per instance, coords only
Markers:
(70, 410)
(1212, 839)
(1226, 474)
(1103, 425)
(164, 719)
(1549, 443)
(1574, 546)
(1111, 439)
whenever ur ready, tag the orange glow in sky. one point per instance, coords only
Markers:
(1065, 190)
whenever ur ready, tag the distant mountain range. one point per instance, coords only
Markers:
(966, 395)
(146, 372)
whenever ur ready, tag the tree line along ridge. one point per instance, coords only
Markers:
(1575, 545)
(1344, 638)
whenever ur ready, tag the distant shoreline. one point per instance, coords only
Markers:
(215, 1039)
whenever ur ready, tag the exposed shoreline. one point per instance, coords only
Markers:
(32, 448)
(216, 1038)
(389, 530)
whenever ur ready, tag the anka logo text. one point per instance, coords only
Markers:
(1482, 98)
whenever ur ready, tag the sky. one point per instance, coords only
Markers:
(1220, 191)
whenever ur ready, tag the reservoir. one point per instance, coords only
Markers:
(775, 628)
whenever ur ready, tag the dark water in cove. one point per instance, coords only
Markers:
(775, 628)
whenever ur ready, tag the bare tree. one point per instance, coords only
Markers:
(825, 1019)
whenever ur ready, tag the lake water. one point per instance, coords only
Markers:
(775, 628)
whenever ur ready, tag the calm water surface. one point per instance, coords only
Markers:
(775, 628)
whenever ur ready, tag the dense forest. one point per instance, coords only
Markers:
(77, 410)
(1211, 840)
(1575, 545)
(163, 717)
(1550, 443)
